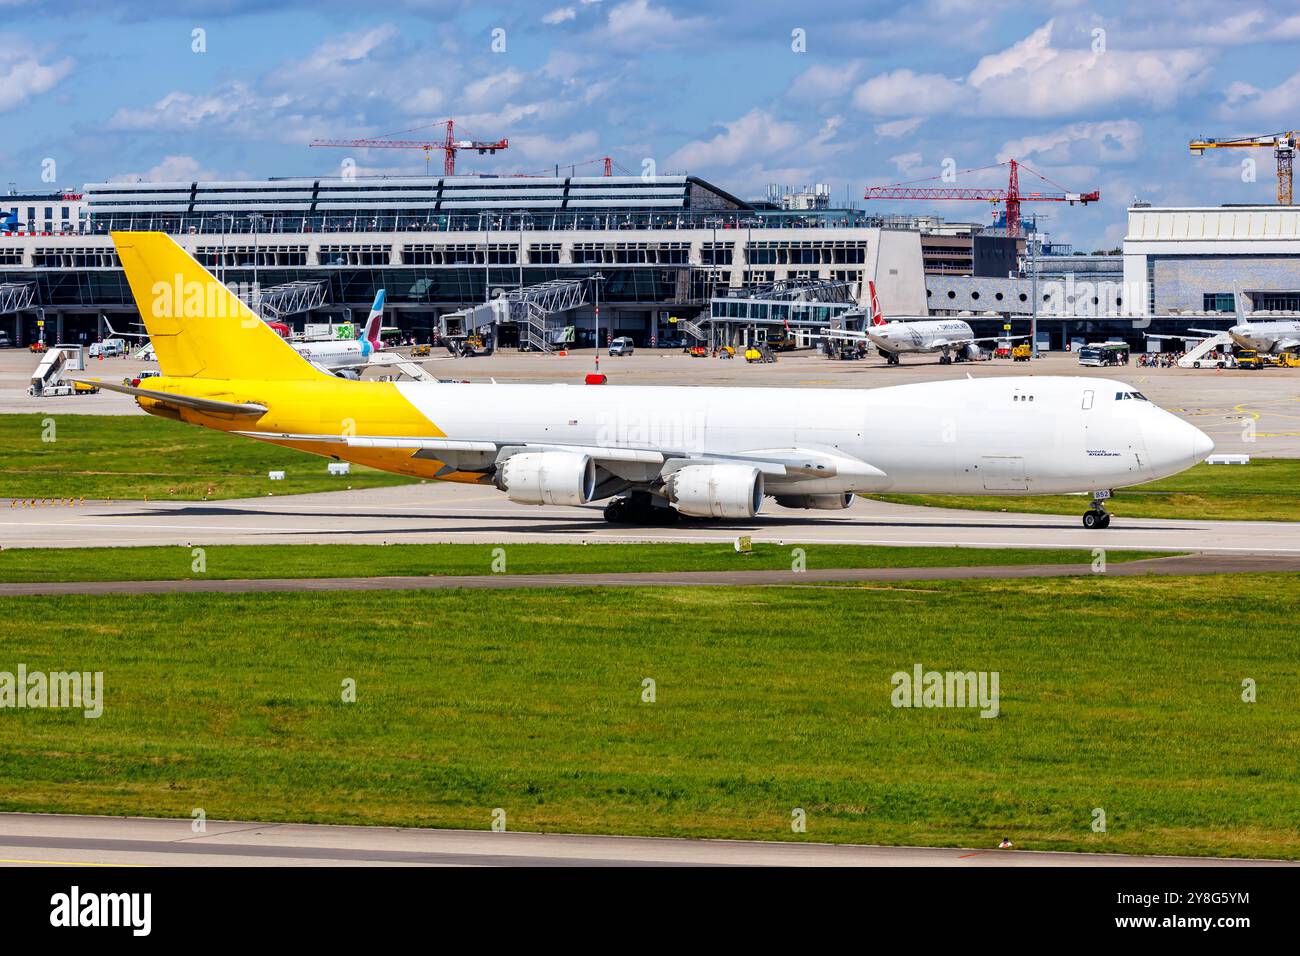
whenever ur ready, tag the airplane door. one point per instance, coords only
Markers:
(1003, 473)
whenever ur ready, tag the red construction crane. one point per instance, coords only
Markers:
(573, 168)
(1012, 195)
(449, 146)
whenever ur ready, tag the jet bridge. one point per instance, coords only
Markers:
(533, 310)
(291, 298)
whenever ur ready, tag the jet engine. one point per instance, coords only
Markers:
(548, 478)
(816, 502)
(716, 491)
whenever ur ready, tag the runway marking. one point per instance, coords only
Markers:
(74, 863)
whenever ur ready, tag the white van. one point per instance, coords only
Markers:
(108, 348)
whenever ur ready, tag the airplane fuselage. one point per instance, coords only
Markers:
(343, 353)
(922, 336)
(1012, 435)
(1272, 336)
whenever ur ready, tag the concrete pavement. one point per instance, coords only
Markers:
(439, 513)
(39, 839)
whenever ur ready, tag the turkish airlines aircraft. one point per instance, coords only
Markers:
(655, 451)
(951, 338)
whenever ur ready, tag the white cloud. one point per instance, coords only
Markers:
(339, 62)
(1278, 104)
(427, 99)
(757, 144)
(172, 169)
(1106, 142)
(1035, 78)
(23, 76)
(755, 134)
(560, 15)
(538, 148)
(907, 163)
(902, 92)
(636, 24)
(493, 88)
(824, 80)
(896, 129)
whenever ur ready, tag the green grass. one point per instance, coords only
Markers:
(350, 560)
(1115, 693)
(134, 456)
(1268, 489)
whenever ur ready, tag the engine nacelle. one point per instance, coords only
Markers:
(716, 491)
(816, 502)
(548, 478)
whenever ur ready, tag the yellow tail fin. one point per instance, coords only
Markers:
(199, 328)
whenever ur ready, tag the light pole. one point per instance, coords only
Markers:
(224, 217)
(522, 214)
(485, 222)
(597, 279)
(255, 220)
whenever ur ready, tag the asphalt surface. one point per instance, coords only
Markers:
(439, 513)
(38, 839)
(1183, 564)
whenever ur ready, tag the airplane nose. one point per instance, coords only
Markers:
(1174, 445)
(1202, 444)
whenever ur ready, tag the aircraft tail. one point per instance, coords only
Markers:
(877, 317)
(370, 333)
(9, 223)
(199, 328)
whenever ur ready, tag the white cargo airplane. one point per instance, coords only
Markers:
(952, 338)
(703, 452)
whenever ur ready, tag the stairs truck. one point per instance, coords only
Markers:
(48, 381)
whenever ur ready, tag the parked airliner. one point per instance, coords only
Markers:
(953, 339)
(702, 452)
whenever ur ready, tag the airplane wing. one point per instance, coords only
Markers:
(468, 454)
(988, 338)
(210, 405)
(845, 334)
(789, 463)
(1209, 332)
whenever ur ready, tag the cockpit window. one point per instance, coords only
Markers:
(1124, 396)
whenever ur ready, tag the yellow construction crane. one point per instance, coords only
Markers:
(1283, 145)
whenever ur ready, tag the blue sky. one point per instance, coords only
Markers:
(1101, 95)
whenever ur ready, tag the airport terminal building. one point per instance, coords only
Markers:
(660, 248)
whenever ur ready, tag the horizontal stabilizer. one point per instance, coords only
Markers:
(210, 405)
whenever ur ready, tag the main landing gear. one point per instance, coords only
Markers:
(638, 507)
(1097, 516)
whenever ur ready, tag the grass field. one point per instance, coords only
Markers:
(133, 456)
(1268, 489)
(351, 560)
(1117, 694)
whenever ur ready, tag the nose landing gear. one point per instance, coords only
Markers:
(1097, 516)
